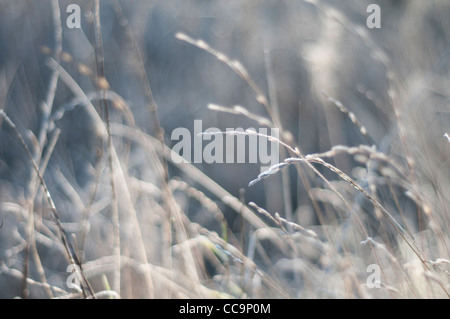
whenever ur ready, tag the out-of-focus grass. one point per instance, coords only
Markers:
(366, 165)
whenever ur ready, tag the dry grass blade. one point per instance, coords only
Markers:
(250, 132)
(48, 104)
(281, 222)
(17, 274)
(352, 117)
(236, 66)
(46, 108)
(103, 85)
(239, 110)
(64, 238)
(371, 151)
(151, 103)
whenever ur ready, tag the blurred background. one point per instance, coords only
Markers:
(395, 80)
